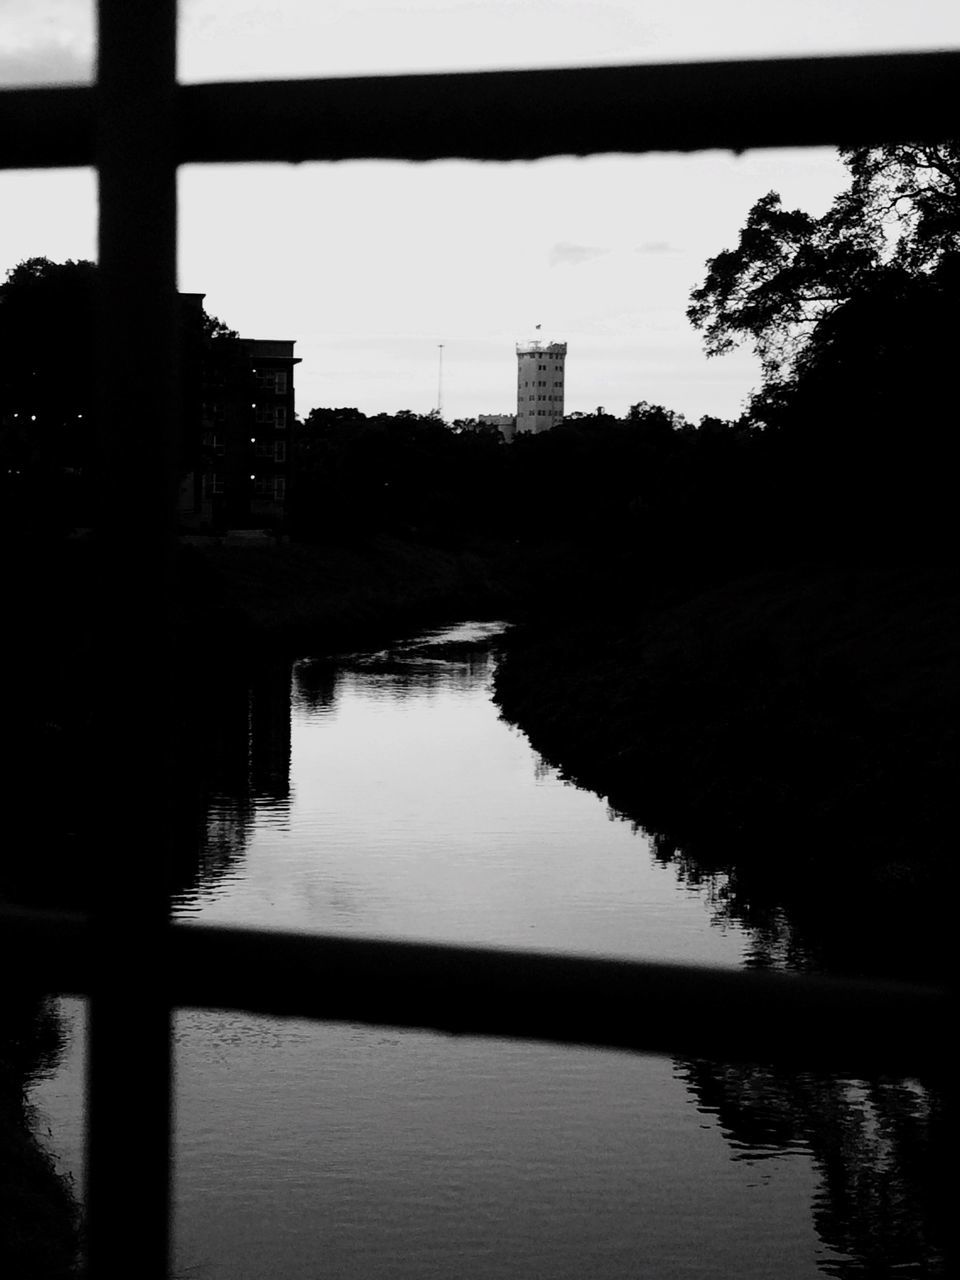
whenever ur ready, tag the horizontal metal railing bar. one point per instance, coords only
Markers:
(850, 1026)
(47, 128)
(521, 115)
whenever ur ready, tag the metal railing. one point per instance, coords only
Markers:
(136, 125)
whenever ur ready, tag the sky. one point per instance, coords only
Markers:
(371, 266)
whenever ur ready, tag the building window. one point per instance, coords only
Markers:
(272, 415)
(279, 488)
(280, 451)
(274, 380)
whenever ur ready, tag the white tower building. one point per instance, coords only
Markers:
(540, 384)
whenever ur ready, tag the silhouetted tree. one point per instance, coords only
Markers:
(851, 316)
(899, 216)
(48, 411)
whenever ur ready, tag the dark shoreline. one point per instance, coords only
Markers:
(793, 732)
(238, 607)
(40, 1216)
(797, 728)
(758, 728)
(295, 599)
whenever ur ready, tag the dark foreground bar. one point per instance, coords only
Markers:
(520, 115)
(852, 1027)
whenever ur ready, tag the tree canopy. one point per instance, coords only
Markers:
(48, 402)
(897, 220)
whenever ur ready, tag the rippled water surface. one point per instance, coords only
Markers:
(382, 795)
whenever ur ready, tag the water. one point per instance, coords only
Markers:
(384, 796)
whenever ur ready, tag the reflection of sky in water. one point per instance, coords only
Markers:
(415, 811)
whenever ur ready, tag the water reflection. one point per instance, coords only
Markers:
(455, 659)
(467, 849)
(315, 685)
(828, 918)
(877, 1146)
(39, 1209)
(237, 746)
(237, 771)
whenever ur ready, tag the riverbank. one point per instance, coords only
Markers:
(39, 1213)
(794, 731)
(296, 597)
(237, 606)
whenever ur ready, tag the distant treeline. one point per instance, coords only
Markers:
(845, 450)
(839, 463)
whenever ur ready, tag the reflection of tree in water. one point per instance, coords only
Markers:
(411, 679)
(832, 917)
(775, 941)
(236, 739)
(406, 671)
(877, 1145)
(543, 770)
(315, 684)
(39, 1212)
(236, 763)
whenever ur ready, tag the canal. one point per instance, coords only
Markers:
(381, 794)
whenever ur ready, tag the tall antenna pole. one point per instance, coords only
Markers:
(440, 384)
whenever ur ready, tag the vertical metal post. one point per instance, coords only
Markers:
(129, 1060)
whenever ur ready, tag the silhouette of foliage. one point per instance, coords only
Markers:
(900, 214)
(48, 401)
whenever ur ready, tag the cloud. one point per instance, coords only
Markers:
(656, 246)
(45, 64)
(572, 255)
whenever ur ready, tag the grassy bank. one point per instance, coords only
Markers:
(797, 731)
